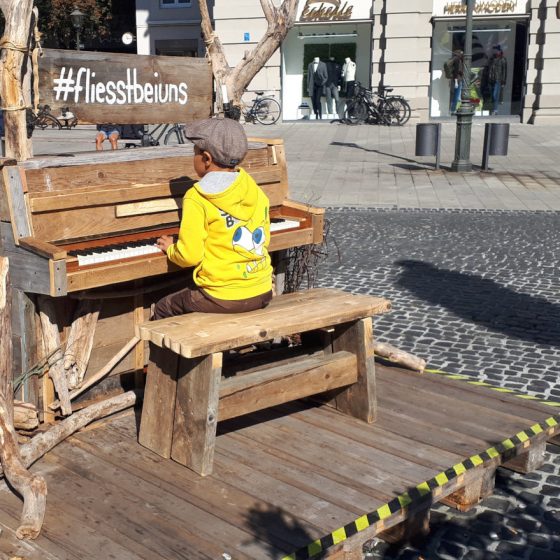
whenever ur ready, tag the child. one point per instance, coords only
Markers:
(225, 229)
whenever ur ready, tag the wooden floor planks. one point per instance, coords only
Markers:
(282, 478)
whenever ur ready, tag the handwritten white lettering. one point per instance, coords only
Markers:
(82, 88)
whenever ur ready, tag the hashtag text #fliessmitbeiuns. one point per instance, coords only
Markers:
(79, 86)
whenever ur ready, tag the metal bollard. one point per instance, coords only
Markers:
(496, 139)
(428, 140)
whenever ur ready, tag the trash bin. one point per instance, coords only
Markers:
(304, 111)
(428, 140)
(496, 141)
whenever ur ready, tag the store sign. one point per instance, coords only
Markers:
(481, 7)
(325, 11)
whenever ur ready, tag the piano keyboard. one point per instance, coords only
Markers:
(119, 251)
(96, 255)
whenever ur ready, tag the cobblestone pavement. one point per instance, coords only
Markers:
(473, 292)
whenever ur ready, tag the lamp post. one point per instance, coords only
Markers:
(77, 21)
(465, 113)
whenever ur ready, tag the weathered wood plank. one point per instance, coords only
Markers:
(358, 400)
(299, 312)
(127, 88)
(196, 413)
(277, 385)
(158, 410)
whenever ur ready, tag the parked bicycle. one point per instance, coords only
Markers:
(377, 107)
(263, 109)
(44, 119)
(172, 135)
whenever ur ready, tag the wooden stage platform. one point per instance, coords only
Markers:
(295, 478)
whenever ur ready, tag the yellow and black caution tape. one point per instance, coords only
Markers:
(424, 490)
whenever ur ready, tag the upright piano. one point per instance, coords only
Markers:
(77, 226)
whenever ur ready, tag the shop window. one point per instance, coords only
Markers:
(339, 51)
(174, 3)
(498, 67)
(176, 47)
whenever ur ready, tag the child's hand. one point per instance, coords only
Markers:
(163, 242)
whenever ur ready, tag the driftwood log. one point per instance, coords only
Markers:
(393, 354)
(80, 341)
(52, 348)
(44, 442)
(25, 416)
(32, 487)
(103, 372)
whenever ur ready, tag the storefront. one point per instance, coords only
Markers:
(332, 31)
(499, 65)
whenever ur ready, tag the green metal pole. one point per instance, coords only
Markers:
(462, 162)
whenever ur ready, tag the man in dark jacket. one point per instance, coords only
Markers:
(497, 77)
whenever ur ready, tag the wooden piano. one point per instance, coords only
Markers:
(76, 226)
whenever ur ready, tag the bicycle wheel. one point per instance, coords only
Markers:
(356, 112)
(46, 121)
(267, 111)
(174, 136)
(396, 110)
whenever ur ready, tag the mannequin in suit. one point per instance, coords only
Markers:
(316, 79)
(332, 86)
(349, 75)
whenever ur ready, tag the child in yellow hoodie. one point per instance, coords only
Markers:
(225, 229)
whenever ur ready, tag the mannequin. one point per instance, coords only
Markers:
(332, 86)
(349, 75)
(316, 79)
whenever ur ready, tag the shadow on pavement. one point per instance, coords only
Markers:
(483, 301)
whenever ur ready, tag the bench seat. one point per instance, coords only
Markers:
(186, 394)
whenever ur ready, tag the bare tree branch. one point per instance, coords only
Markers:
(280, 20)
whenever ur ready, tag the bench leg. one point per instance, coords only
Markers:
(358, 400)
(156, 424)
(196, 412)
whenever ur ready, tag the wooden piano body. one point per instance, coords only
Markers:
(55, 209)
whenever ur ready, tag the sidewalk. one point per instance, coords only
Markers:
(374, 166)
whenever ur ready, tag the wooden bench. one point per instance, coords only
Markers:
(186, 395)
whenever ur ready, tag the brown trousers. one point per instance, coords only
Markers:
(192, 298)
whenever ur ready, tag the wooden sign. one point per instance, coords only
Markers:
(125, 88)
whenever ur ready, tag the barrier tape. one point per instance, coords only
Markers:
(425, 489)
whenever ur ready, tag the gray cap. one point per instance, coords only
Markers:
(225, 139)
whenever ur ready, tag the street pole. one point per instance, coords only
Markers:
(462, 162)
(77, 38)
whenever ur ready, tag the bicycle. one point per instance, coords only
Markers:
(387, 110)
(265, 110)
(172, 135)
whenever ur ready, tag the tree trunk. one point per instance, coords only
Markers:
(280, 20)
(15, 60)
(32, 487)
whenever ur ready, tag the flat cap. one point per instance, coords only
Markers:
(225, 139)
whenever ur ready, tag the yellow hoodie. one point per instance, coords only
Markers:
(225, 235)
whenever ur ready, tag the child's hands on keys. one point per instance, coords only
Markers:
(163, 242)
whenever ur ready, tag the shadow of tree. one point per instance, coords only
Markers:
(483, 301)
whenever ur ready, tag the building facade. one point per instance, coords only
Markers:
(516, 50)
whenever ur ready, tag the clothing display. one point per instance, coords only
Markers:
(317, 76)
(334, 73)
(349, 76)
